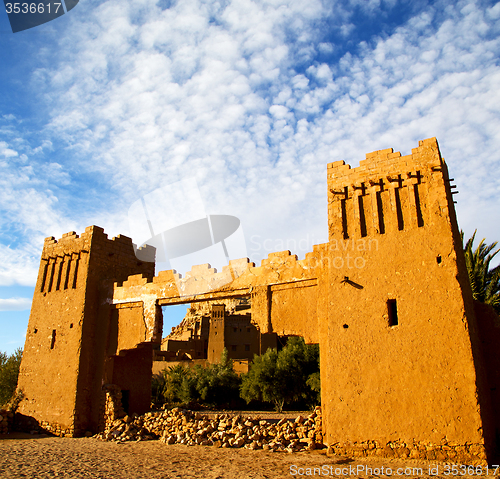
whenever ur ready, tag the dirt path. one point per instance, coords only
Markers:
(22, 455)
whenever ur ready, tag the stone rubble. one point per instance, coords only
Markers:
(180, 426)
(6, 419)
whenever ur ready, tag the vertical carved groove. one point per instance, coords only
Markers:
(420, 218)
(75, 276)
(44, 276)
(362, 218)
(68, 269)
(59, 274)
(380, 211)
(52, 271)
(399, 210)
(344, 219)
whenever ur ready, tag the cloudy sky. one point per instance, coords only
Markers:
(251, 98)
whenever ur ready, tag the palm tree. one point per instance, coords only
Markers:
(485, 282)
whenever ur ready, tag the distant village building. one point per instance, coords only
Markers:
(208, 329)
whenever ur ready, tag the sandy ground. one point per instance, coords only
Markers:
(22, 455)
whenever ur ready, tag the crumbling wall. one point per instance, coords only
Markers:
(240, 279)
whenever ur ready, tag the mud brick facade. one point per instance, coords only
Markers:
(71, 331)
(408, 361)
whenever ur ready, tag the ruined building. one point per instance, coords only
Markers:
(208, 329)
(408, 359)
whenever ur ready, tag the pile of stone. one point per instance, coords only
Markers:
(6, 419)
(111, 407)
(180, 426)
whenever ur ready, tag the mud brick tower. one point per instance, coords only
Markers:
(401, 358)
(66, 342)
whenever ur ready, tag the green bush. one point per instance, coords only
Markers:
(218, 384)
(214, 385)
(9, 372)
(290, 375)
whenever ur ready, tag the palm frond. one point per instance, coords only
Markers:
(484, 280)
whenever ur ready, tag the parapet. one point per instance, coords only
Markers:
(388, 192)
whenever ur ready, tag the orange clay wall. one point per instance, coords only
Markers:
(63, 356)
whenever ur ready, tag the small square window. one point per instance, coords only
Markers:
(392, 311)
(247, 347)
(233, 347)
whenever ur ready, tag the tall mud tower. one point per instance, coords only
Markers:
(62, 366)
(400, 355)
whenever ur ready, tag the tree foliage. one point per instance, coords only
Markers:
(484, 280)
(9, 372)
(216, 384)
(289, 375)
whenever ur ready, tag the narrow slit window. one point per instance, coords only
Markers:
(53, 339)
(392, 310)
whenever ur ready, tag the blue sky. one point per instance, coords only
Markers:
(252, 98)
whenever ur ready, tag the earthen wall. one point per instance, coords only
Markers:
(64, 353)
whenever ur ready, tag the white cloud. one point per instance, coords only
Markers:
(15, 304)
(232, 95)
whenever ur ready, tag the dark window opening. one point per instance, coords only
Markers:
(392, 310)
(345, 326)
(247, 347)
(125, 400)
(71, 325)
(53, 339)
(35, 331)
(438, 259)
(233, 347)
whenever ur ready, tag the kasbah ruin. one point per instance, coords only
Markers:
(409, 360)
